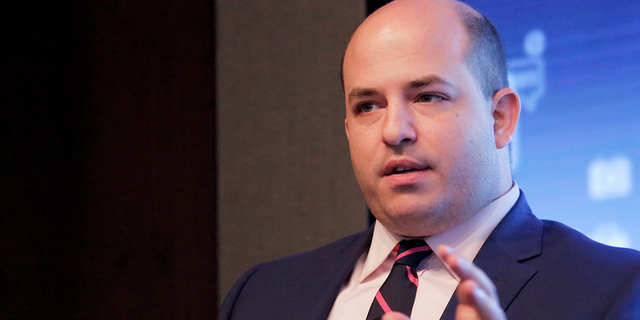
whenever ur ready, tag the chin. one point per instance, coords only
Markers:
(415, 219)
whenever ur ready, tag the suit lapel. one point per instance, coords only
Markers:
(517, 238)
(342, 265)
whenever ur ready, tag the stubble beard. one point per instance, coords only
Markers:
(455, 204)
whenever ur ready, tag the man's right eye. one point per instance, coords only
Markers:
(367, 107)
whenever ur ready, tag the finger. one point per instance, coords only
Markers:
(467, 270)
(395, 316)
(465, 292)
(476, 304)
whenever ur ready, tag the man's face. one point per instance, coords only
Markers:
(420, 131)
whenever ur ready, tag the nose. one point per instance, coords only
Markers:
(398, 127)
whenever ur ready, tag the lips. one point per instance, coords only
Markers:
(402, 166)
(404, 173)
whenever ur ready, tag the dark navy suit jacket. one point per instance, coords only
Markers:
(542, 270)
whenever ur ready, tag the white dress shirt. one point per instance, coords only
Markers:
(436, 283)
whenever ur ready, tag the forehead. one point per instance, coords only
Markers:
(409, 39)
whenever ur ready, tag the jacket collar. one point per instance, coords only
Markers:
(517, 237)
(345, 261)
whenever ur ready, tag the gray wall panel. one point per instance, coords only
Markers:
(285, 178)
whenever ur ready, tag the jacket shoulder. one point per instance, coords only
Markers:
(575, 246)
(295, 286)
(348, 246)
(578, 278)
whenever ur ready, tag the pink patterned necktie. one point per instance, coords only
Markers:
(399, 290)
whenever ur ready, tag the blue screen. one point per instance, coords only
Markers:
(576, 66)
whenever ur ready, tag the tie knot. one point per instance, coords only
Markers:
(412, 252)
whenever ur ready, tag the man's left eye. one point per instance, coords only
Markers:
(429, 98)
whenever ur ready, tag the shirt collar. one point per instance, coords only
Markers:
(466, 238)
(382, 243)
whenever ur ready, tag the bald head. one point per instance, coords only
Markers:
(427, 125)
(484, 52)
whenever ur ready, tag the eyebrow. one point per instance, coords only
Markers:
(358, 92)
(361, 92)
(427, 80)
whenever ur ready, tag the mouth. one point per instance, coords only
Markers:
(403, 170)
(403, 166)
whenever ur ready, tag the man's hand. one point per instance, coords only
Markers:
(477, 296)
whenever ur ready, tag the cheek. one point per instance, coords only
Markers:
(362, 160)
(448, 136)
(458, 140)
(362, 151)
(473, 149)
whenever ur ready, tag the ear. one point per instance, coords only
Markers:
(505, 106)
(346, 127)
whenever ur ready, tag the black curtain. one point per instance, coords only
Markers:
(108, 160)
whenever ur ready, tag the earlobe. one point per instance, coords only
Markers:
(506, 112)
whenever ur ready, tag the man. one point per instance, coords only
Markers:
(429, 118)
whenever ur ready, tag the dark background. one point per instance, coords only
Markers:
(108, 160)
(153, 151)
